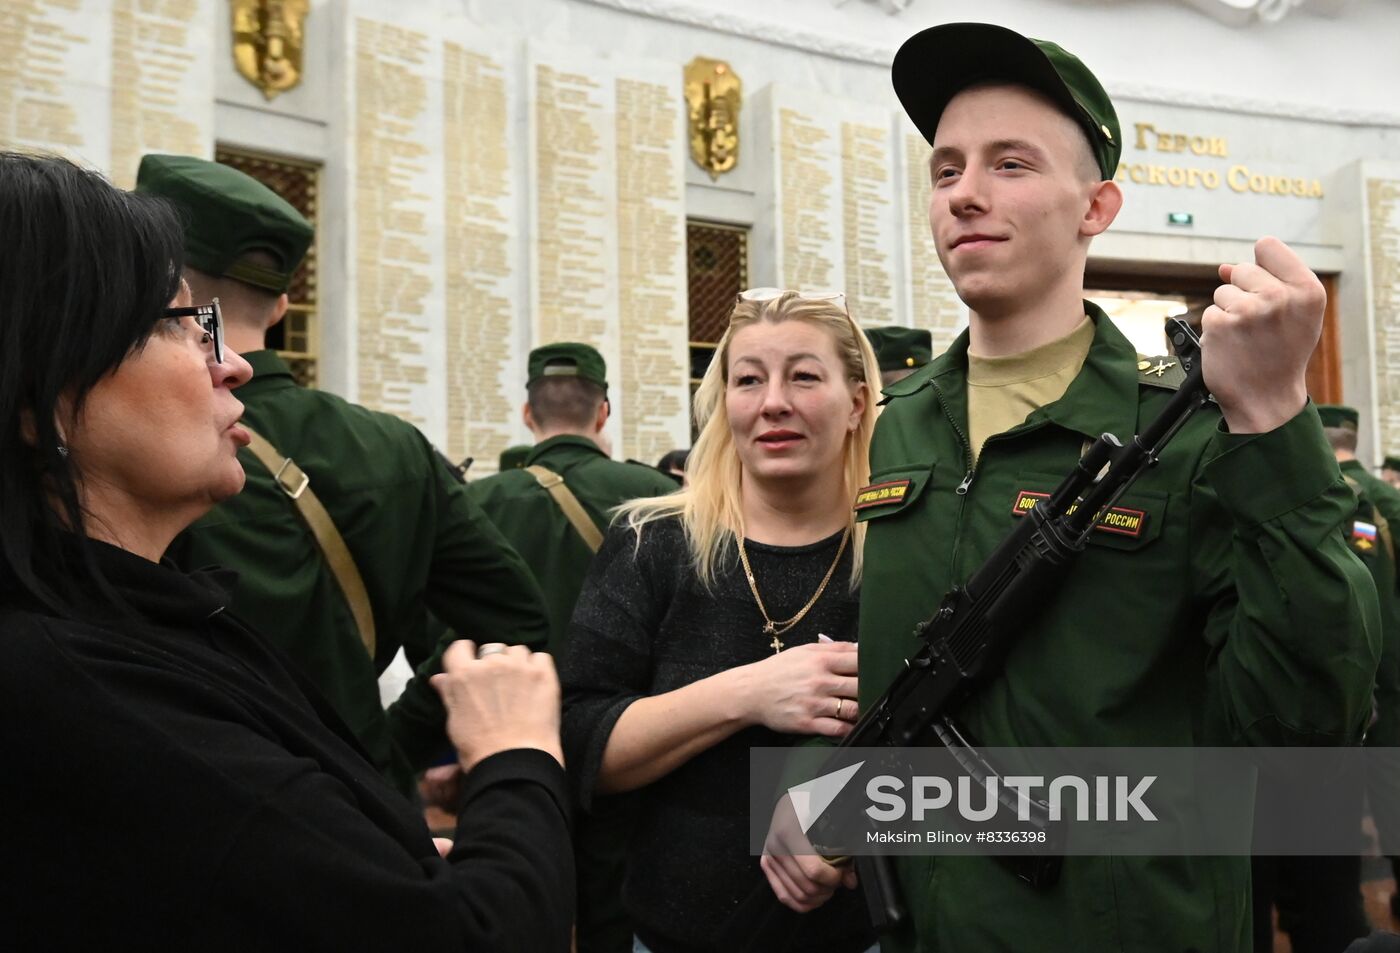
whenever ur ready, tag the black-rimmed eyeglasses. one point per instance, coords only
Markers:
(210, 320)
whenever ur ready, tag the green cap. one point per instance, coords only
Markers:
(567, 359)
(1336, 415)
(227, 215)
(899, 348)
(1391, 463)
(513, 458)
(936, 64)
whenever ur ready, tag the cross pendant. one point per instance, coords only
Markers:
(776, 644)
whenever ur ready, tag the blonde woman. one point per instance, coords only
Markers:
(723, 617)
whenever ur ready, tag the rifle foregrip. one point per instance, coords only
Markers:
(877, 882)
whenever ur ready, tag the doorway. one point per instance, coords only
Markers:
(1141, 296)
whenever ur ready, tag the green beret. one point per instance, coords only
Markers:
(567, 359)
(227, 215)
(936, 64)
(1336, 415)
(513, 458)
(899, 348)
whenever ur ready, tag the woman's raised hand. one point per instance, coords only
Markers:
(805, 690)
(508, 698)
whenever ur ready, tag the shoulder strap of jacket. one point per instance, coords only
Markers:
(573, 509)
(294, 482)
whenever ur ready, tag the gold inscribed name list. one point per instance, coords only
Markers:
(649, 234)
(391, 251)
(571, 212)
(33, 49)
(151, 66)
(806, 200)
(933, 301)
(865, 186)
(478, 312)
(1383, 215)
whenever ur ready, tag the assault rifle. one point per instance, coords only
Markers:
(964, 642)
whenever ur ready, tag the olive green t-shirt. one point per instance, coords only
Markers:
(1002, 391)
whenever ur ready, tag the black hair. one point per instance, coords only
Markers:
(87, 274)
(673, 460)
(565, 402)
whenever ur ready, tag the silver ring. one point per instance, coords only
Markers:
(491, 648)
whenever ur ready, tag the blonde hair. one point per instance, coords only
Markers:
(709, 507)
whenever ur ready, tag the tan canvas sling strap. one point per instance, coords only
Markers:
(569, 503)
(294, 482)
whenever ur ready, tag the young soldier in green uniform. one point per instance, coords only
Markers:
(901, 351)
(566, 409)
(1223, 607)
(408, 531)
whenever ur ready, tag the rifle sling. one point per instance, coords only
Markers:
(573, 509)
(294, 482)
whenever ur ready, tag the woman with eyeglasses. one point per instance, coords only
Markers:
(723, 617)
(169, 781)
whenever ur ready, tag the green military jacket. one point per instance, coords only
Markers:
(1225, 609)
(416, 537)
(536, 526)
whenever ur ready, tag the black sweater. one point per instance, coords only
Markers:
(644, 626)
(170, 784)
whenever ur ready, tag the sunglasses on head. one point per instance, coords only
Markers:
(760, 295)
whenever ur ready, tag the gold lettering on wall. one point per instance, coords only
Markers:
(1383, 239)
(865, 175)
(807, 195)
(1148, 137)
(393, 257)
(1238, 178)
(153, 64)
(479, 228)
(651, 263)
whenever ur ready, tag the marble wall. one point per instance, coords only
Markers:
(498, 176)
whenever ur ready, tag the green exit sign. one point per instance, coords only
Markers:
(1180, 218)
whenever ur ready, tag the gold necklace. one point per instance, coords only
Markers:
(776, 629)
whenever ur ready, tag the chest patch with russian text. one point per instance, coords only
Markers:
(882, 494)
(1119, 520)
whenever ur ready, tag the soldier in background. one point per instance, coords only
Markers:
(901, 351)
(1390, 471)
(1383, 783)
(350, 526)
(554, 511)
(1319, 899)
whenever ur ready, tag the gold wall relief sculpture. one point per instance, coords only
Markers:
(714, 94)
(267, 42)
